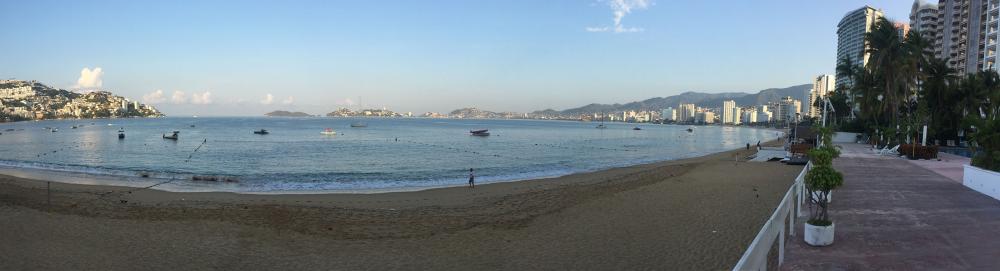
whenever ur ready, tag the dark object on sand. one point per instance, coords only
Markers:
(797, 161)
(209, 178)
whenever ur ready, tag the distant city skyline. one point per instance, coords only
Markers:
(249, 58)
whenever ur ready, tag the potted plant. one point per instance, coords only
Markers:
(819, 182)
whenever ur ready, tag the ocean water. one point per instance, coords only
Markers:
(388, 155)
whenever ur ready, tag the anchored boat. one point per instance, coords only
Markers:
(483, 132)
(172, 136)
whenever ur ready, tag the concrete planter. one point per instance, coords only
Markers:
(819, 236)
(983, 181)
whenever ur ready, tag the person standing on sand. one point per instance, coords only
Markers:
(472, 179)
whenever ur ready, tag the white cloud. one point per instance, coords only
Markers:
(178, 97)
(203, 98)
(90, 79)
(620, 8)
(288, 100)
(269, 99)
(154, 98)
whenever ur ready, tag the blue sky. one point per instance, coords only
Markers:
(226, 57)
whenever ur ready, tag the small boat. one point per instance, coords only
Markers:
(55, 130)
(192, 125)
(483, 132)
(601, 126)
(172, 136)
(637, 128)
(10, 130)
(261, 132)
(121, 133)
(328, 131)
(359, 124)
(74, 126)
(690, 130)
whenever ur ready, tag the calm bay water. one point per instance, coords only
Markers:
(389, 154)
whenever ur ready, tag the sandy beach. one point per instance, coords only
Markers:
(692, 214)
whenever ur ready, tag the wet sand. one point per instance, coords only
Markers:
(697, 213)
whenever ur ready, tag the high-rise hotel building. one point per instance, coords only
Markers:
(992, 28)
(962, 24)
(822, 86)
(924, 19)
(851, 37)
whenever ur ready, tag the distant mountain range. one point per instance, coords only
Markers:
(711, 100)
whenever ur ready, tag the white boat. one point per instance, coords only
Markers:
(328, 131)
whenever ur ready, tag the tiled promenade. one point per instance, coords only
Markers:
(895, 214)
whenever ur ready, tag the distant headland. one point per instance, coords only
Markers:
(30, 100)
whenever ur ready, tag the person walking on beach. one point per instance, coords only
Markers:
(472, 179)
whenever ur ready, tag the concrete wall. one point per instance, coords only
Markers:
(984, 181)
(841, 137)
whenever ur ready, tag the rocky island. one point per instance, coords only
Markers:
(282, 113)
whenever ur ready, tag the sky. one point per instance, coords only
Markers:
(251, 57)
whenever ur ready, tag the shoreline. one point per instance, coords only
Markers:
(678, 214)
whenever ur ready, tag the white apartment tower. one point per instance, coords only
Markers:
(686, 113)
(729, 114)
(924, 19)
(788, 110)
(991, 35)
(851, 36)
(822, 85)
(669, 114)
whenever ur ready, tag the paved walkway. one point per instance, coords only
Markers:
(894, 214)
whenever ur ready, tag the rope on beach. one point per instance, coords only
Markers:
(101, 196)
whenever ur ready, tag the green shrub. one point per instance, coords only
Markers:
(821, 157)
(987, 136)
(823, 178)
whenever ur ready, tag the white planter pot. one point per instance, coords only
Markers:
(981, 180)
(819, 236)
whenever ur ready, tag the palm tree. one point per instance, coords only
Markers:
(887, 61)
(847, 69)
(938, 92)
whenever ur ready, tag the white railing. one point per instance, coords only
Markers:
(755, 258)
